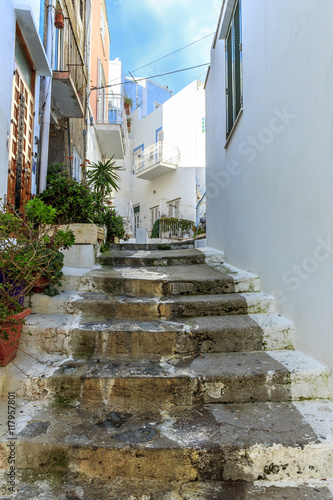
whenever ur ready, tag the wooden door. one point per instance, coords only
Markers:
(21, 142)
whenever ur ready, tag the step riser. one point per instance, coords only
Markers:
(140, 262)
(143, 394)
(153, 246)
(148, 288)
(182, 465)
(106, 344)
(148, 310)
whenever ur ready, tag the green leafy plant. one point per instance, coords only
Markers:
(28, 251)
(102, 177)
(128, 101)
(74, 202)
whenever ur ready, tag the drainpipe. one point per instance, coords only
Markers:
(47, 102)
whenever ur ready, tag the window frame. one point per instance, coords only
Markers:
(234, 70)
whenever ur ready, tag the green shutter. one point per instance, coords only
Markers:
(234, 98)
(237, 68)
(229, 89)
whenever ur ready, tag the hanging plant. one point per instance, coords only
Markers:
(59, 18)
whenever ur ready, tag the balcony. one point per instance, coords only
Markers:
(69, 80)
(110, 125)
(157, 160)
(65, 99)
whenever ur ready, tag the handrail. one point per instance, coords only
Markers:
(201, 200)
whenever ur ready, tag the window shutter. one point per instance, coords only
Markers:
(229, 89)
(237, 68)
(234, 85)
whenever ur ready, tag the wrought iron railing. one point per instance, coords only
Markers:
(160, 152)
(174, 229)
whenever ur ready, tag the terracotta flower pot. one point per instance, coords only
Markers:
(59, 20)
(127, 109)
(11, 329)
(40, 285)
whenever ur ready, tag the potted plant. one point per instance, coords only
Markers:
(129, 122)
(26, 254)
(59, 17)
(128, 103)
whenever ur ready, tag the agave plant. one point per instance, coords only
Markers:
(103, 177)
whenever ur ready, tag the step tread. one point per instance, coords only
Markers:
(197, 272)
(246, 435)
(211, 365)
(159, 490)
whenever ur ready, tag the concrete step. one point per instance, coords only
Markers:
(140, 385)
(78, 489)
(173, 245)
(158, 281)
(85, 337)
(268, 442)
(137, 258)
(111, 306)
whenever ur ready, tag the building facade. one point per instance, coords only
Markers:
(164, 170)
(269, 156)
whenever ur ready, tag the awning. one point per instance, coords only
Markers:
(26, 22)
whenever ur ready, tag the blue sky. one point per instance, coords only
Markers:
(145, 30)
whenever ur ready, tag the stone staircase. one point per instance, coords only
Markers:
(164, 373)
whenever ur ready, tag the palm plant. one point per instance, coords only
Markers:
(102, 177)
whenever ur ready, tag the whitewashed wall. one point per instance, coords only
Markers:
(270, 202)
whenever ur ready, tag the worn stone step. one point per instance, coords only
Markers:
(160, 281)
(137, 385)
(111, 306)
(249, 442)
(35, 486)
(170, 245)
(85, 337)
(152, 258)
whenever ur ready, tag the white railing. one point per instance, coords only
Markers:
(110, 108)
(173, 230)
(160, 152)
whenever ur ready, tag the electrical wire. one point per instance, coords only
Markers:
(163, 57)
(149, 77)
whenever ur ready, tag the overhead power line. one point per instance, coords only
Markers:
(163, 57)
(130, 82)
(174, 52)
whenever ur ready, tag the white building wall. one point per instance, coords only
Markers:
(181, 120)
(269, 192)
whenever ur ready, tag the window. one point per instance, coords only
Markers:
(173, 208)
(234, 80)
(138, 158)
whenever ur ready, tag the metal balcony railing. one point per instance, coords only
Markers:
(156, 154)
(110, 109)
